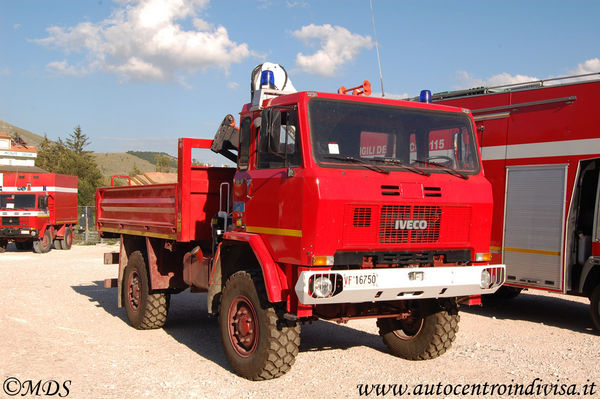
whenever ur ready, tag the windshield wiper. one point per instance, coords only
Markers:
(445, 168)
(370, 165)
(397, 162)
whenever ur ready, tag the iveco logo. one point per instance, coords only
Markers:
(410, 224)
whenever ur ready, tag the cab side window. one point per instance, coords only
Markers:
(244, 144)
(286, 152)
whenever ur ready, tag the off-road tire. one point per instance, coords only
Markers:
(3, 244)
(433, 329)
(145, 310)
(67, 240)
(58, 244)
(43, 244)
(595, 307)
(273, 348)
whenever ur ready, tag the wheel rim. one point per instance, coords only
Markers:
(46, 241)
(68, 238)
(134, 291)
(243, 326)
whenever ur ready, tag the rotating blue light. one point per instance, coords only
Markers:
(425, 96)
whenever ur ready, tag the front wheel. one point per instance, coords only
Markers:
(43, 244)
(144, 310)
(595, 307)
(426, 333)
(257, 344)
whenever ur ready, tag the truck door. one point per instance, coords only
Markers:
(273, 204)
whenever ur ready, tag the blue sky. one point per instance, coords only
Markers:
(138, 74)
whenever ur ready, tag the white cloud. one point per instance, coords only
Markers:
(468, 81)
(338, 46)
(63, 68)
(233, 85)
(589, 66)
(145, 40)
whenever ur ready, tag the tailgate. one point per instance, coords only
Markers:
(138, 210)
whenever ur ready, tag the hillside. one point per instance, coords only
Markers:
(108, 163)
(30, 138)
(120, 163)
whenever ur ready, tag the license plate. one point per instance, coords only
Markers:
(360, 280)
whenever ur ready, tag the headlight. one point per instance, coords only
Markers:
(486, 279)
(322, 287)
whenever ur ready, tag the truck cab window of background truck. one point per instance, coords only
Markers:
(17, 201)
(391, 136)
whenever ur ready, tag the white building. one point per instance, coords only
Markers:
(13, 153)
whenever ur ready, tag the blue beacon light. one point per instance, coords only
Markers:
(267, 79)
(425, 96)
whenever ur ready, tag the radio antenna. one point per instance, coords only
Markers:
(377, 48)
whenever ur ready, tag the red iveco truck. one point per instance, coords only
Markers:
(37, 210)
(540, 146)
(341, 207)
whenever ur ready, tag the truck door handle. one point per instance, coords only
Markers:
(249, 188)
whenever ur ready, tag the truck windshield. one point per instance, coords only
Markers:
(17, 201)
(395, 138)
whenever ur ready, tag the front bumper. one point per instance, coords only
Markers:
(16, 232)
(372, 285)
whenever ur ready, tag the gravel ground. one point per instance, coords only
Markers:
(58, 323)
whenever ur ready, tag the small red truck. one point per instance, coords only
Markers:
(540, 147)
(341, 207)
(37, 210)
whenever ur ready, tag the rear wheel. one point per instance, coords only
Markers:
(43, 244)
(3, 244)
(595, 307)
(67, 241)
(57, 244)
(257, 343)
(145, 310)
(426, 334)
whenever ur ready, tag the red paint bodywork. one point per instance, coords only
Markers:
(61, 191)
(534, 115)
(290, 216)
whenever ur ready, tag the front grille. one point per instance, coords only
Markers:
(362, 217)
(390, 230)
(10, 221)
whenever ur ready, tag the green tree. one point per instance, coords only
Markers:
(162, 162)
(72, 159)
(135, 171)
(77, 141)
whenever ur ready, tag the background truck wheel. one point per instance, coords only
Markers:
(257, 344)
(595, 307)
(426, 334)
(145, 311)
(3, 244)
(43, 244)
(67, 241)
(57, 244)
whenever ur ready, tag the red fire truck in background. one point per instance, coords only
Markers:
(541, 152)
(339, 209)
(37, 210)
